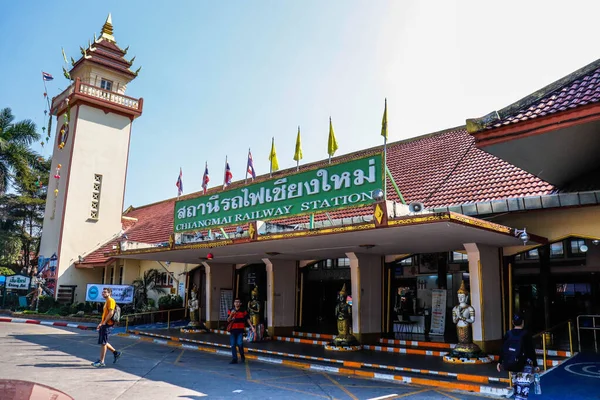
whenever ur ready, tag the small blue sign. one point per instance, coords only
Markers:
(93, 293)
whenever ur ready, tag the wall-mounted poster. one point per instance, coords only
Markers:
(121, 293)
(438, 312)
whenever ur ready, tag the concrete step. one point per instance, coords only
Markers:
(495, 388)
(440, 346)
(322, 336)
(341, 360)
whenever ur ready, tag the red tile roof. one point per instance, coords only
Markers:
(440, 169)
(580, 88)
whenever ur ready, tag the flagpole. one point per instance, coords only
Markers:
(47, 97)
(204, 177)
(246, 178)
(385, 168)
(225, 173)
(271, 158)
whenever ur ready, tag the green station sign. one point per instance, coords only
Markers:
(330, 187)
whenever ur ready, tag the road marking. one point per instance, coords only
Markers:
(248, 374)
(587, 371)
(291, 390)
(179, 356)
(446, 394)
(411, 393)
(130, 345)
(336, 383)
(387, 396)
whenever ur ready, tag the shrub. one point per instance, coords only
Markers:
(46, 303)
(73, 308)
(170, 301)
(65, 310)
(89, 307)
(53, 311)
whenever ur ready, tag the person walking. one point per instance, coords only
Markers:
(237, 319)
(518, 356)
(105, 328)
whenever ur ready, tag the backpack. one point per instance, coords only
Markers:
(513, 359)
(116, 317)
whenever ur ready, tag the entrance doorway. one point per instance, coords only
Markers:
(322, 282)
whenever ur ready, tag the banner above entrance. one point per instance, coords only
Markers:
(322, 189)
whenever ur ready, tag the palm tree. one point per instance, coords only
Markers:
(15, 155)
(145, 284)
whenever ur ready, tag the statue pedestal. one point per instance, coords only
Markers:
(334, 347)
(349, 343)
(467, 354)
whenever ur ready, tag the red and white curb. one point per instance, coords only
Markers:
(469, 387)
(48, 323)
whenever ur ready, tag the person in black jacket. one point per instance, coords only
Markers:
(523, 363)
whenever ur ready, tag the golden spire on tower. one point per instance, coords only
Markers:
(107, 30)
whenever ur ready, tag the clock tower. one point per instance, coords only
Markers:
(86, 188)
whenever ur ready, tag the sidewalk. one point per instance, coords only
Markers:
(79, 325)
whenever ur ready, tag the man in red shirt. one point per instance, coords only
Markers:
(237, 324)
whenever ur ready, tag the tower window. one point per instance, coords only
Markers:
(95, 204)
(106, 84)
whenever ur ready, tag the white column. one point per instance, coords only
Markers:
(486, 294)
(217, 277)
(281, 295)
(365, 272)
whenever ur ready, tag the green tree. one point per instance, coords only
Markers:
(28, 208)
(6, 271)
(16, 157)
(145, 284)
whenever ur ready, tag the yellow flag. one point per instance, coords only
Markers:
(384, 131)
(273, 157)
(332, 145)
(298, 153)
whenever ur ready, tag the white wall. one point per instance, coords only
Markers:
(281, 292)
(100, 145)
(366, 292)
(218, 276)
(490, 290)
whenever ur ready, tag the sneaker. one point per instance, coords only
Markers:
(98, 364)
(116, 355)
(233, 362)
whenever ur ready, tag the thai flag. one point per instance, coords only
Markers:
(46, 76)
(179, 183)
(228, 176)
(251, 170)
(205, 178)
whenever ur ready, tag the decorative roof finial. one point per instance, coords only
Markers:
(107, 30)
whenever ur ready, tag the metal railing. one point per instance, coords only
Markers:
(592, 328)
(546, 336)
(151, 317)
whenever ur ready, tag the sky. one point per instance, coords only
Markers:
(219, 78)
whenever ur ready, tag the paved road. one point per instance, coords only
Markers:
(61, 358)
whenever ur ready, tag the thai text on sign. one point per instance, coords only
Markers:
(322, 189)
